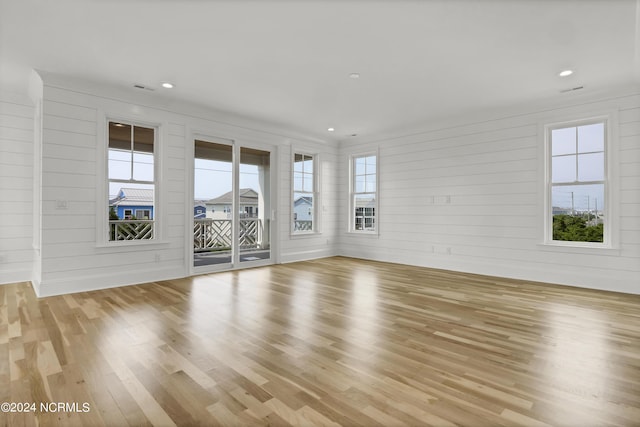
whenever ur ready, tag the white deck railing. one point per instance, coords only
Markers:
(303, 225)
(131, 229)
(207, 233)
(216, 234)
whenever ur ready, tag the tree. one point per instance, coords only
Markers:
(575, 229)
(113, 216)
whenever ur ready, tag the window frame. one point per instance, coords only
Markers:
(353, 193)
(103, 238)
(610, 224)
(315, 214)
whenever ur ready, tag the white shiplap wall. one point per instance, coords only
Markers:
(469, 197)
(73, 171)
(16, 188)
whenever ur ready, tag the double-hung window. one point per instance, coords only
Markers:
(364, 193)
(305, 191)
(577, 182)
(131, 181)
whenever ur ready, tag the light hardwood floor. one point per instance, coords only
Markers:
(336, 341)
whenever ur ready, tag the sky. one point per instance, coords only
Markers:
(211, 178)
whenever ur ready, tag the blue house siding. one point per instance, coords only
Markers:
(199, 212)
(120, 210)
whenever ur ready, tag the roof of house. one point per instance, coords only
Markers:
(133, 197)
(248, 196)
(303, 200)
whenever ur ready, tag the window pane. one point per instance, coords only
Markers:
(578, 213)
(591, 138)
(142, 167)
(364, 211)
(119, 136)
(359, 184)
(298, 163)
(131, 211)
(563, 169)
(119, 164)
(591, 167)
(371, 164)
(297, 181)
(308, 183)
(308, 164)
(563, 141)
(370, 186)
(359, 166)
(303, 212)
(143, 139)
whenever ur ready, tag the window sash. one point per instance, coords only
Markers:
(364, 194)
(304, 185)
(577, 183)
(131, 163)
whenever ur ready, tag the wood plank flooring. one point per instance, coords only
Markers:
(329, 342)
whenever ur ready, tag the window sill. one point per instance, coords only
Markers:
(578, 248)
(303, 234)
(363, 233)
(132, 243)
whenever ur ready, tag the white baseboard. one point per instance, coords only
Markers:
(306, 255)
(91, 283)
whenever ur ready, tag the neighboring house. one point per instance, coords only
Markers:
(303, 209)
(220, 207)
(199, 209)
(133, 203)
(365, 214)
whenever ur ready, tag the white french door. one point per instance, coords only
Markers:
(232, 224)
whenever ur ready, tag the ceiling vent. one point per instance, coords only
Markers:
(573, 89)
(139, 86)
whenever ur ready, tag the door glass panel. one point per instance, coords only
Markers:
(212, 206)
(254, 207)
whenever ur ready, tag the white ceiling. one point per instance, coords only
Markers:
(288, 62)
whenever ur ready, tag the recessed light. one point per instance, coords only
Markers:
(354, 75)
(331, 129)
(565, 73)
(167, 85)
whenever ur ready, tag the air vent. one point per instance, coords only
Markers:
(573, 89)
(139, 86)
